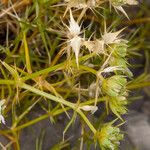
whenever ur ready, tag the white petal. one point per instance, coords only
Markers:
(122, 10)
(111, 37)
(74, 28)
(75, 43)
(89, 45)
(111, 69)
(93, 109)
(2, 119)
(99, 46)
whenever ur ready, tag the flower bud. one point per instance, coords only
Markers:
(109, 137)
(118, 105)
(116, 61)
(114, 86)
(120, 50)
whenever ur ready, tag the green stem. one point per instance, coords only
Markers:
(59, 100)
(17, 145)
(56, 67)
(9, 82)
(47, 95)
(55, 113)
(31, 122)
(138, 85)
(41, 72)
(87, 121)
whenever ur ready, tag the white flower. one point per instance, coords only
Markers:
(96, 46)
(2, 107)
(75, 43)
(93, 109)
(111, 37)
(74, 40)
(112, 69)
(74, 28)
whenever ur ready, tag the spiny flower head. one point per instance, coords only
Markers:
(111, 37)
(119, 49)
(118, 105)
(114, 86)
(74, 40)
(118, 61)
(109, 137)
